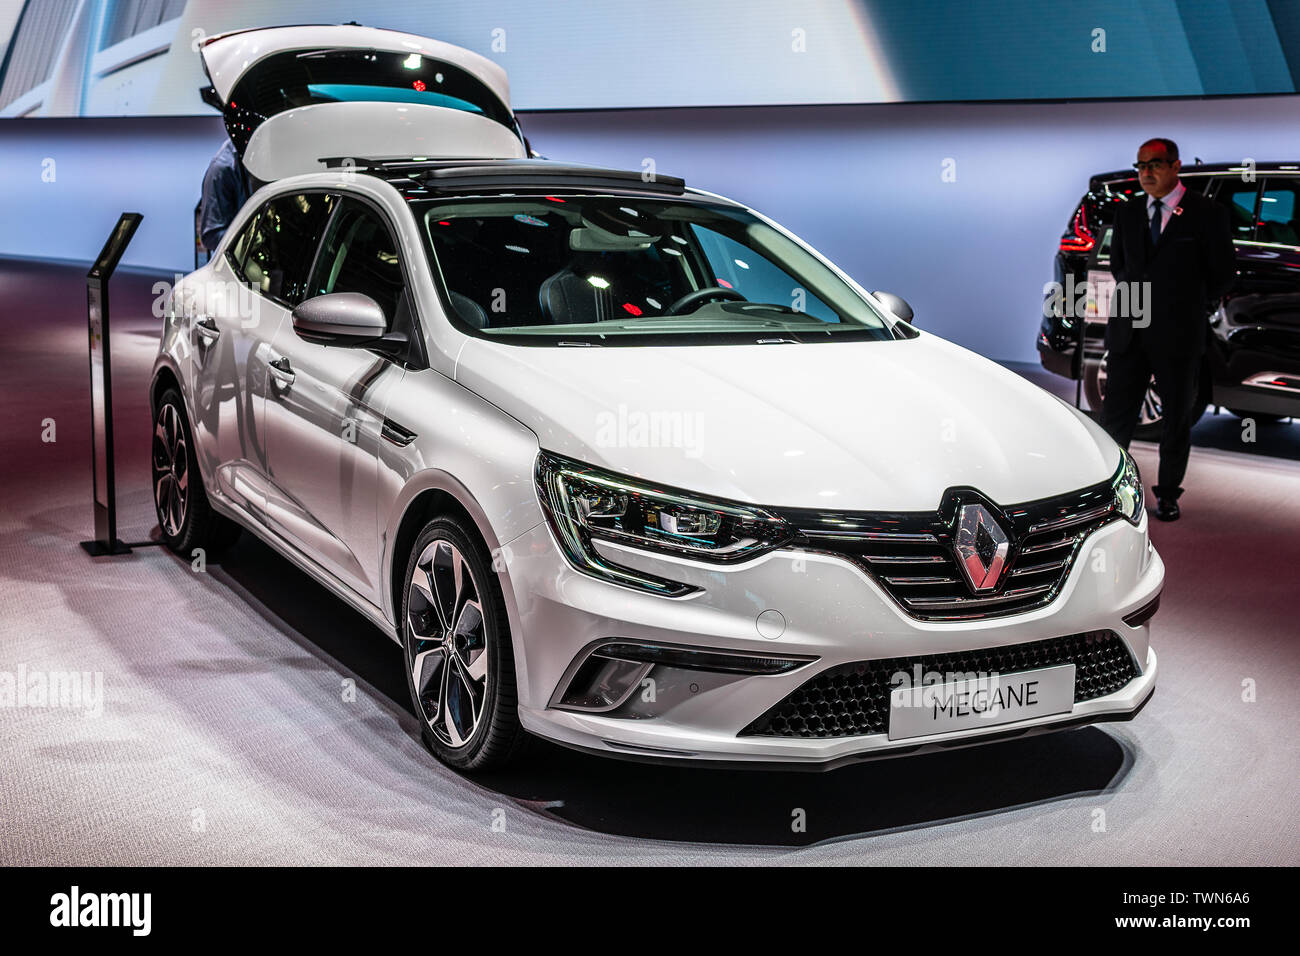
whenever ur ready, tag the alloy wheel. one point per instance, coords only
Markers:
(170, 470)
(447, 647)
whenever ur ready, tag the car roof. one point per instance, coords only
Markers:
(417, 178)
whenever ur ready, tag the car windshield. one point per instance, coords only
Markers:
(618, 270)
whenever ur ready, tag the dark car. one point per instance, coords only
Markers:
(1252, 359)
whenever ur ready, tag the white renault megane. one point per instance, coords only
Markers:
(620, 463)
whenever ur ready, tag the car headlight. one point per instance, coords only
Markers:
(1128, 490)
(584, 504)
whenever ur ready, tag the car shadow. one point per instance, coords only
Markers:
(696, 804)
(793, 809)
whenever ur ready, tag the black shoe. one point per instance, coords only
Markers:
(1167, 509)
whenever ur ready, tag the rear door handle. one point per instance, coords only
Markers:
(207, 330)
(281, 373)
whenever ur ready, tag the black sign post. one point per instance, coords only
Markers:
(101, 389)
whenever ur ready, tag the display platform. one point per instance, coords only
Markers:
(246, 716)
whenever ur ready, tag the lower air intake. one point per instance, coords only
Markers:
(853, 699)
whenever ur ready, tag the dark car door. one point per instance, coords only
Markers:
(1257, 335)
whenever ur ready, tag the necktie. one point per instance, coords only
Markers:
(1156, 220)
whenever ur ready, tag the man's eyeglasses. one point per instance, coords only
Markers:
(1155, 164)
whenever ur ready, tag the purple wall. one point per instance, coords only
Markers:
(862, 183)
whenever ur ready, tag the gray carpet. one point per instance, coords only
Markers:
(225, 738)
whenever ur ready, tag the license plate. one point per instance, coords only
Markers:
(970, 701)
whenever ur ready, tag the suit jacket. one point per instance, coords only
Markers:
(226, 188)
(1190, 268)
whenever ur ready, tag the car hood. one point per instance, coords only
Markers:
(838, 426)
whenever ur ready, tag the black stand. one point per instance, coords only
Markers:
(104, 495)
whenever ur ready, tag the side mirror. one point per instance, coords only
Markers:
(341, 318)
(895, 304)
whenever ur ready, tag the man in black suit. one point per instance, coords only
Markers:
(1177, 249)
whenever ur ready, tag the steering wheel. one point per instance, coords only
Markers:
(700, 296)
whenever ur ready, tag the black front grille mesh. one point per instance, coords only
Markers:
(853, 699)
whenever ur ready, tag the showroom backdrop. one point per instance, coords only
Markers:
(865, 184)
(139, 57)
(957, 206)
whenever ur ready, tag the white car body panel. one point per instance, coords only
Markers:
(947, 418)
(857, 426)
(228, 56)
(295, 141)
(850, 426)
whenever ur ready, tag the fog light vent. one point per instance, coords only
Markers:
(610, 671)
(602, 683)
(1143, 614)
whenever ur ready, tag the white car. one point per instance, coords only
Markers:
(619, 463)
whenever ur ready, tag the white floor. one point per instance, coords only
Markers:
(225, 737)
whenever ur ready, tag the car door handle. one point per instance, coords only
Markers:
(281, 373)
(207, 330)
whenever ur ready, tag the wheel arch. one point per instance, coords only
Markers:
(426, 496)
(423, 508)
(165, 376)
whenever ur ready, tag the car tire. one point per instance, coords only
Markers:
(456, 650)
(1150, 425)
(185, 516)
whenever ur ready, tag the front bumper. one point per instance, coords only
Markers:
(832, 612)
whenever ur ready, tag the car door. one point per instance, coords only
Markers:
(325, 410)
(1260, 329)
(261, 274)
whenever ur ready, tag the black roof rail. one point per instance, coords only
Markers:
(458, 175)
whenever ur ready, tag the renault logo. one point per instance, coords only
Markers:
(981, 547)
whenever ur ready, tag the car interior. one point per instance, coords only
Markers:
(547, 281)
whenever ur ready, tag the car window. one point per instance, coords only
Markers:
(1239, 199)
(619, 270)
(1101, 252)
(275, 258)
(359, 254)
(739, 267)
(236, 251)
(295, 78)
(1277, 212)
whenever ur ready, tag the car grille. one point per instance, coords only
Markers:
(853, 699)
(910, 554)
